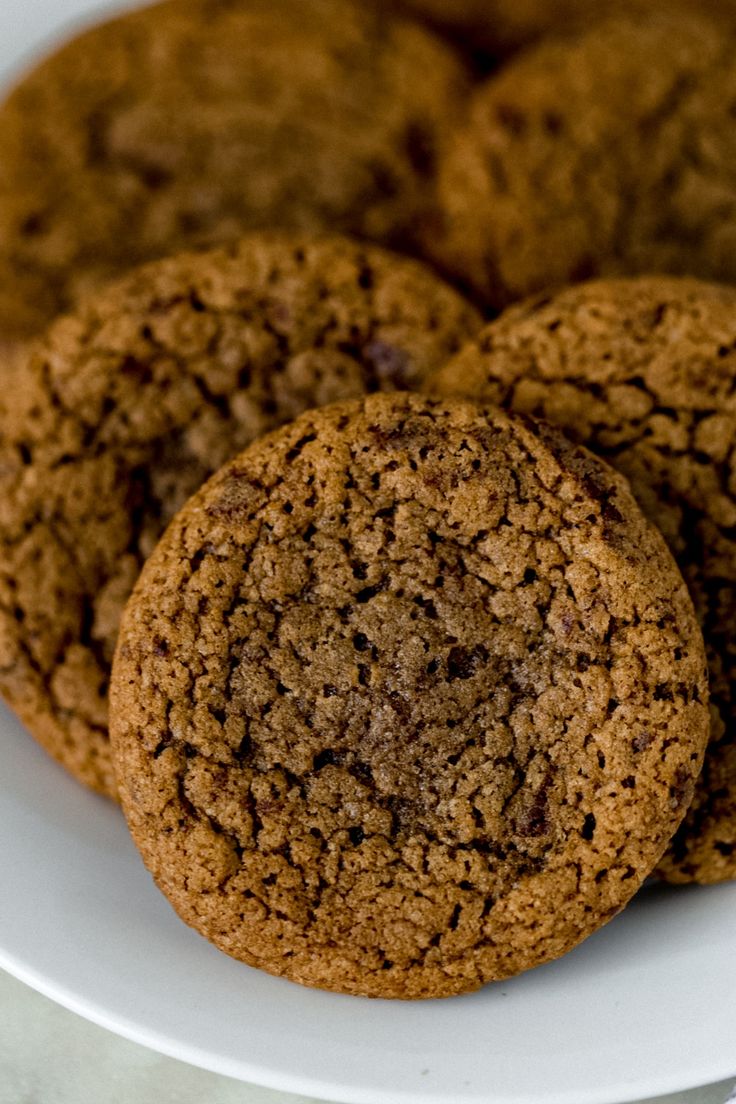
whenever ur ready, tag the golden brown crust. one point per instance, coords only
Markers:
(643, 372)
(127, 405)
(408, 698)
(190, 122)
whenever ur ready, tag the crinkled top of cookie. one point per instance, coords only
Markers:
(409, 697)
(191, 121)
(131, 402)
(603, 154)
(643, 371)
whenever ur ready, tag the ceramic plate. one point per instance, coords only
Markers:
(646, 1006)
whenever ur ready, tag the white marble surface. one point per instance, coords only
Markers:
(51, 1056)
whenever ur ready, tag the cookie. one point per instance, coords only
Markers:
(408, 698)
(189, 122)
(131, 402)
(610, 153)
(643, 371)
(501, 27)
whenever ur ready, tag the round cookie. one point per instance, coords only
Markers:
(409, 697)
(131, 402)
(500, 27)
(610, 153)
(643, 371)
(189, 122)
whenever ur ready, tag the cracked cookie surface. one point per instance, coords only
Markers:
(610, 153)
(643, 372)
(409, 697)
(126, 406)
(190, 122)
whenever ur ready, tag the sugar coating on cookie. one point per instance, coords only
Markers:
(130, 403)
(409, 697)
(643, 371)
(189, 122)
(609, 153)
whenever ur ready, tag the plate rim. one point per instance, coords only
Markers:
(260, 1075)
(619, 1090)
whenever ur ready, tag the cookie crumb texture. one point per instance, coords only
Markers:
(190, 122)
(610, 153)
(125, 408)
(643, 371)
(501, 27)
(409, 697)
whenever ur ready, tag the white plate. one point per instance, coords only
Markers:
(646, 1006)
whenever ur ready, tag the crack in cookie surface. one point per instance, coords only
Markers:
(643, 371)
(129, 404)
(408, 698)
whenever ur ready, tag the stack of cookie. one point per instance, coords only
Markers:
(401, 693)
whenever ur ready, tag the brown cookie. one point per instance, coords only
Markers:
(130, 403)
(186, 123)
(643, 371)
(500, 27)
(409, 697)
(609, 153)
